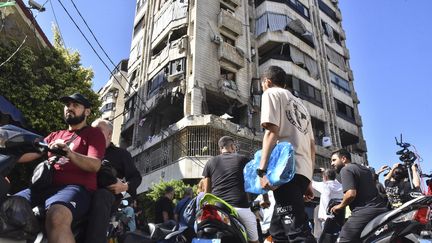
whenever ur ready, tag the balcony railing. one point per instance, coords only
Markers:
(193, 141)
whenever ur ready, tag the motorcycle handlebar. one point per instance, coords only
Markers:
(45, 148)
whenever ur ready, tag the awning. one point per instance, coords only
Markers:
(7, 108)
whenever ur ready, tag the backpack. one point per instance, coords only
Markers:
(191, 209)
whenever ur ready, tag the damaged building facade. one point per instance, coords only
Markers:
(194, 76)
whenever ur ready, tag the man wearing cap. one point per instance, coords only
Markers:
(75, 174)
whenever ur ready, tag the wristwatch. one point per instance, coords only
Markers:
(261, 172)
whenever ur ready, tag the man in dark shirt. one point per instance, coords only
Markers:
(398, 186)
(360, 193)
(224, 178)
(164, 210)
(106, 200)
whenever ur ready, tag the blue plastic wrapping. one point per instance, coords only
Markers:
(280, 169)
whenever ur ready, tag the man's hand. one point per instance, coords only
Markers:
(336, 209)
(59, 144)
(308, 196)
(118, 187)
(265, 183)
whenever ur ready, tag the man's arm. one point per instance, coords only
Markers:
(270, 138)
(348, 197)
(415, 176)
(29, 157)
(389, 175)
(313, 151)
(207, 185)
(87, 163)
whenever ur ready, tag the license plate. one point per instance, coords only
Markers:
(198, 240)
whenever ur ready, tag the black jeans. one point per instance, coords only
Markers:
(289, 222)
(99, 216)
(355, 224)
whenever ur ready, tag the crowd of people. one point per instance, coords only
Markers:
(75, 191)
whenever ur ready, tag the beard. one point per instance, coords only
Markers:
(74, 120)
(338, 168)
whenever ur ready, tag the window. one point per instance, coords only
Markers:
(157, 82)
(228, 79)
(177, 66)
(340, 83)
(228, 40)
(331, 33)
(139, 26)
(279, 52)
(328, 11)
(129, 108)
(318, 130)
(344, 111)
(304, 90)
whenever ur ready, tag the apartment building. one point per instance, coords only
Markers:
(111, 95)
(194, 75)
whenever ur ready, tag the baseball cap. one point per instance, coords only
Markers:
(77, 97)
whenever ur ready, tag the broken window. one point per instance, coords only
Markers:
(278, 51)
(129, 108)
(331, 33)
(344, 111)
(228, 40)
(318, 130)
(168, 110)
(347, 138)
(157, 82)
(218, 104)
(228, 79)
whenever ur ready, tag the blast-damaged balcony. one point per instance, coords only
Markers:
(183, 148)
(232, 55)
(228, 23)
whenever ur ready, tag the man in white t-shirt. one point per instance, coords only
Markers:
(329, 188)
(285, 118)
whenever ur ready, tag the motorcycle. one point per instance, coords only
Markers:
(217, 221)
(407, 223)
(14, 142)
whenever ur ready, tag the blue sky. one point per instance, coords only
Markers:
(391, 53)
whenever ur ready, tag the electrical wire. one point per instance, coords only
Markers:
(15, 52)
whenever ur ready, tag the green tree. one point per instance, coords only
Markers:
(34, 80)
(147, 201)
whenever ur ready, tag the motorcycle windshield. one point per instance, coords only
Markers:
(14, 134)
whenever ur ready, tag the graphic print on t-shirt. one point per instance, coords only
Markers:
(297, 115)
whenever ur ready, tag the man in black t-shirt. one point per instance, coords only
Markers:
(397, 185)
(223, 177)
(164, 208)
(360, 193)
(106, 200)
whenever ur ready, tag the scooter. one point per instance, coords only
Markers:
(217, 221)
(15, 221)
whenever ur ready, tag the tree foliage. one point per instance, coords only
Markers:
(147, 201)
(34, 80)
